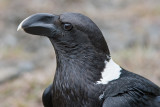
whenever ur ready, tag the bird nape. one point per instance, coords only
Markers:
(86, 75)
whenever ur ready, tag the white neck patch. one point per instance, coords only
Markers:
(110, 72)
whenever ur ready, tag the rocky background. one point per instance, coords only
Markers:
(27, 62)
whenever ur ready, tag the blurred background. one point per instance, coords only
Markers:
(27, 63)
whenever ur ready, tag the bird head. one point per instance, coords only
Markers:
(66, 31)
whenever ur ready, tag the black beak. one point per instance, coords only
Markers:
(39, 24)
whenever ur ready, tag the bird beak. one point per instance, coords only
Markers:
(38, 24)
(20, 25)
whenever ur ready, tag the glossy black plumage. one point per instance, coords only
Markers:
(131, 90)
(47, 97)
(81, 51)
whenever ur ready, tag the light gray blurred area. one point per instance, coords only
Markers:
(27, 62)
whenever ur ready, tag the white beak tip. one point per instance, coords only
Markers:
(20, 25)
(19, 28)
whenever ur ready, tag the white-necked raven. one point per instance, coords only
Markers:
(86, 75)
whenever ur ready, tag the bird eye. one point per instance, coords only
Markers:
(67, 26)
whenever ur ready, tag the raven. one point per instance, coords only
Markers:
(86, 75)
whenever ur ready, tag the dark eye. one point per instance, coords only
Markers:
(67, 26)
